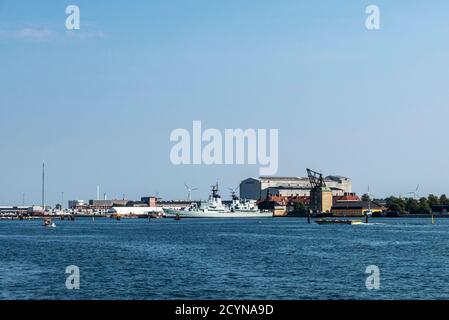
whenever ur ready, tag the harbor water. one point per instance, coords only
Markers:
(283, 258)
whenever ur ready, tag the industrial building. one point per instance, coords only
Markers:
(105, 205)
(440, 209)
(150, 201)
(21, 210)
(355, 208)
(77, 204)
(15, 209)
(136, 211)
(108, 204)
(101, 204)
(260, 188)
(176, 204)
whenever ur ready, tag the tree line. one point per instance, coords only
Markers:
(422, 205)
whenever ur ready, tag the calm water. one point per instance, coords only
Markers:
(224, 259)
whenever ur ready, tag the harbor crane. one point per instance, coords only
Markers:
(320, 194)
(316, 180)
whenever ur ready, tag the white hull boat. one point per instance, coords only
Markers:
(171, 213)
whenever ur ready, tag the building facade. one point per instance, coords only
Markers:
(150, 201)
(262, 187)
(77, 204)
(14, 209)
(101, 204)
(251, 188)
(355, 208)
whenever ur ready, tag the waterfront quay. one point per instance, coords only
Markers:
(315, 195)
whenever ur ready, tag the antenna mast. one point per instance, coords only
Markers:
(43, 185)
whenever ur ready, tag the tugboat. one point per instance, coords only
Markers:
(156, 215)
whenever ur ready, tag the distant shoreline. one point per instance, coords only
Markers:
(409, 216)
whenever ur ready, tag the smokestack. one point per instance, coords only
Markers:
(98, 192)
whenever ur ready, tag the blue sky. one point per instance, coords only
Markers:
(98, 104)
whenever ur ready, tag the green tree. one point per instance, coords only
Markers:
(424, 206)
(366, 197)
(412, 206)
(444, 200)
(299, 208)
(433, 200)
(395, 204)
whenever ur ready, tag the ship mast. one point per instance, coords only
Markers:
(43, 185)
(369, 200)
(215, 194)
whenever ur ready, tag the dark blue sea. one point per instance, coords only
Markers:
(283, 258)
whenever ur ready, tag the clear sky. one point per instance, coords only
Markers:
(98, 104)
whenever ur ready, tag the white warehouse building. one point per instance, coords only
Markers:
(124, 211)
(260, 188)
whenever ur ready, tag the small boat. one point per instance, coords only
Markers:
(115, 216)
(338, 221)
(49, 224)
(177, 217)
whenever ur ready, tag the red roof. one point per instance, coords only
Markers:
(347, 197)
(282, 200)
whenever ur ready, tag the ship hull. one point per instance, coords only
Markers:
(351, 222)
(171, 213)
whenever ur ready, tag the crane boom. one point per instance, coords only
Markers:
(316, 180)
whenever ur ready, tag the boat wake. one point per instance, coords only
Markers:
(373, 223)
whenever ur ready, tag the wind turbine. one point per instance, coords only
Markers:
(189, 190)
(415, 193)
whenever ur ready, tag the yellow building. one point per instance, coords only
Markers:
(355, 208)
(321, 200)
